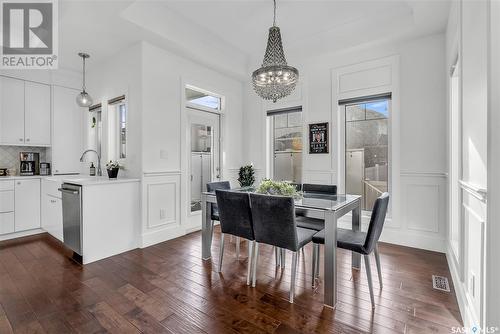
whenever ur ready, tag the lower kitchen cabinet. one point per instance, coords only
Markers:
(27, 204)
(6, 222)
(52, 216)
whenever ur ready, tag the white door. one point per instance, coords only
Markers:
(67, 137)
(27, 204)
(204, 161)
(11, 111)
(355, 172)
(37, 114)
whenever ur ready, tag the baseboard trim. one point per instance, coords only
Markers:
(467, 316)
(21, 234)
(157, 236)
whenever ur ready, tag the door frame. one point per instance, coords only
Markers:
(184, 158)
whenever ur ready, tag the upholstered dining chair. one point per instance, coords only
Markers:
(211, 187)
(274, 224)
(322, 189)
(360, 242)
(235, 218)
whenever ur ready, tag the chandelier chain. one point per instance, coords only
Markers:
(274, 17)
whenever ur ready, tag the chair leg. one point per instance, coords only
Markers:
(283, 258)
(379, 269)
(277, 256)
(221, 251)
(313, 271)
(250, 261)
(255, 260)
(237, 248)
(369, 276)
(294, 274)
(316, 274)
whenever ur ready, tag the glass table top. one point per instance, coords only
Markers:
(311, 200)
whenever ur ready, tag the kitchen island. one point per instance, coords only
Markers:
(101, 216)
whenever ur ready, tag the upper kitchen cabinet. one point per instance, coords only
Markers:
(67, 133)
(11, 111)
(24, 113)
(36, 114)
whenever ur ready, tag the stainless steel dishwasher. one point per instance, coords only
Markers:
(72, 218)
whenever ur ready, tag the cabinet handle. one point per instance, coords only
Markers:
(27, 139)
(18, 182)
(20, 139)
(52, 201)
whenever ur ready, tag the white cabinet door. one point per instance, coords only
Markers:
(67, 131)
(37, 114)
(6, 222)
(11, 111)
(52, 216)
(27, 204)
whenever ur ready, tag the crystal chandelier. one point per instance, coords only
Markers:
(274, 79)
(84, 99)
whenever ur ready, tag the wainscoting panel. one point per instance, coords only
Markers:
(161, 207)
(422, 211)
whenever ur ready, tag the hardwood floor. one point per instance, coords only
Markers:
(167, 288)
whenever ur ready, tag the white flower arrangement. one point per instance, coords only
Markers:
(112, 164)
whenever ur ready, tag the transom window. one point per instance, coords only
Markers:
(201, 99)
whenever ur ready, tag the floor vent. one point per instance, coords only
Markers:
(440, 283)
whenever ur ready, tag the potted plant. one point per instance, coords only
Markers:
(246, 176)
(281, 188)
(112, 168)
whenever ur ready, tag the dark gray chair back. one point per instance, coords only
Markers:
(376, 222)
(212, 186)
(235, 214)
(274, 221)
(329, 189)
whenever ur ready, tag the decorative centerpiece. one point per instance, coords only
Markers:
(246, 176)
(112, 167)
(281, 188)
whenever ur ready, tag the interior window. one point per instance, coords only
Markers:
(367, 150)
(205, 100)
(117, 119)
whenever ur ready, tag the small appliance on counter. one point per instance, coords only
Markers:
(4, 172)
(44, 168)
(30, 163)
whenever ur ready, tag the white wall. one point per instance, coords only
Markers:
(152, 80)
(422, 126)
(467, 32)
(119, 75)
(165, 166)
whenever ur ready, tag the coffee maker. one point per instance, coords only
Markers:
(30, 163)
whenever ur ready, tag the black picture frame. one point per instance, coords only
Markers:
(318, 138)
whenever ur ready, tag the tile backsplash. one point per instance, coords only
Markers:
(9, 155)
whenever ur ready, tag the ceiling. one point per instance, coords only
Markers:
(231, 35)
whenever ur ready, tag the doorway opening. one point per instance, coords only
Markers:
(203, 135)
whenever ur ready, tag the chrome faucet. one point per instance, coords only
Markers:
(99, 171)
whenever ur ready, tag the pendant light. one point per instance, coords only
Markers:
(84, 99)
(274, 79)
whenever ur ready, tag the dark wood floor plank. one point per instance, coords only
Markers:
(167, 288)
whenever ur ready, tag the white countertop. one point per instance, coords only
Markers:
(96, 180)
(83, 180)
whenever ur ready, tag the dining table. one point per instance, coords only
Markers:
(328, 207)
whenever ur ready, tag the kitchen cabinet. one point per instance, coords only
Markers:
(67, 133)
(6, 207)
(36, 114)
(24, 113)
(27, 204)
(11, 111)
(52, 216)
(52, 208)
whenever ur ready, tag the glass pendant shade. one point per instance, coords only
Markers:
(274, 79)
(83, 99)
